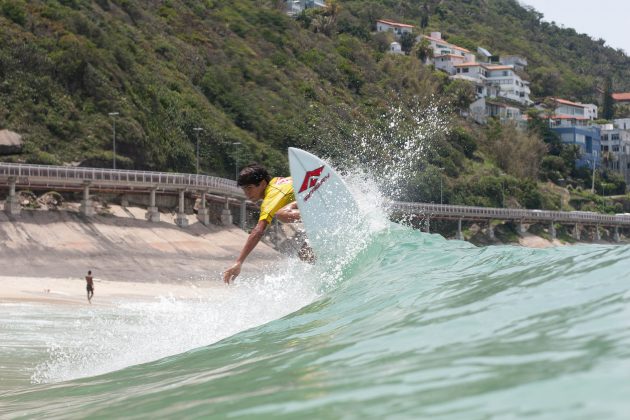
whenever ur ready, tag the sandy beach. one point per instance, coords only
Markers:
(529, 240)
(72, 291)
(45, 255)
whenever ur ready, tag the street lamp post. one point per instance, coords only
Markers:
(235, 144)
(593, 177)
(197, 130)
(114, 115)
(441, 194)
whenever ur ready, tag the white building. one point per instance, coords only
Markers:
(622, 123)
(395, 48)
(295, 7)
(445, 54)
(396, 28)
(615, 147)
(509, 83)
(447, 62)
(575, 109)
(495, 81)
(590, 111)
(517, 61)
(484, 108)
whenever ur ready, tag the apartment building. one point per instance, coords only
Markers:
(495, 81)
(615, 147)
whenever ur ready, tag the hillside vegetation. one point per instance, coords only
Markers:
(247, 73)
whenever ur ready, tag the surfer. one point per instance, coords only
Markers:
(278, 200)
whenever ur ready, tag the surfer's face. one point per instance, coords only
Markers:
(255, 192)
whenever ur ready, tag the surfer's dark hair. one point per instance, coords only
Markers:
(253, 174)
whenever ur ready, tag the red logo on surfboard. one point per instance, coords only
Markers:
(310, 179)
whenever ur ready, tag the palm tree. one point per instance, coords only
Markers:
(424, 51)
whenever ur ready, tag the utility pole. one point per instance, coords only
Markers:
(593, 177)
(197, 130)
(114, 115)
(441, 195)
(236, 144)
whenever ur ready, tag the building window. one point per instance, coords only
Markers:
(605, 148)
(615, 148)
(465, 69)
(605, 137)
(614, 136)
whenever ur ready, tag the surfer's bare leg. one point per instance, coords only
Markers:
(289, 213)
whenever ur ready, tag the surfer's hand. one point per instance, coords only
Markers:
(231, 273)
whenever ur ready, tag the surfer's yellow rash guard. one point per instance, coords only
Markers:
(279, 193)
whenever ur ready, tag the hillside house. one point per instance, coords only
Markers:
(445, 54)
(574, 109)
(621, 98)
(578, 130)
(622, 123)
(396, 28)
(447, 62)
(395, 48)
(615, 148)
(519, 63)
(509, 83)
(494, 81)
(295, 7)
(484, 108)
(590, 111)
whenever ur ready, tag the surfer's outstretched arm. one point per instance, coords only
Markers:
(253, 239)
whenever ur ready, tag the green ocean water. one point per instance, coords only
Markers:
(414, 326)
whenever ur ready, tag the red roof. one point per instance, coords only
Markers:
(468, 65)
(625, 96)
(459, 48)
(435, 39)
(499, 67)
(392, 23)
(565, 102)
(447, 43)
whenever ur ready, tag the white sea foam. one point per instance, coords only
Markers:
(104, 340)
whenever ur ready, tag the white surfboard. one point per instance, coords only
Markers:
(328, 210)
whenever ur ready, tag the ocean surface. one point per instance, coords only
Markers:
(412, 326)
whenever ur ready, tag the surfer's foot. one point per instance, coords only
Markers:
(306, 253)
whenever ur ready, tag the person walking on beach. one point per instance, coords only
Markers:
(278, 200)
(90, 286)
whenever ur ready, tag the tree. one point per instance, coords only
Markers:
(424, 51)
(407, 41)
(424, 16)
(608, 110)
(517, 153)
(461, 93)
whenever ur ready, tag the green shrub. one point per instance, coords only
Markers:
(14, 10)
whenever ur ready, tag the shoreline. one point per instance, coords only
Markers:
(72, 291)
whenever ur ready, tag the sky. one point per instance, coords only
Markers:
(606, 19)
